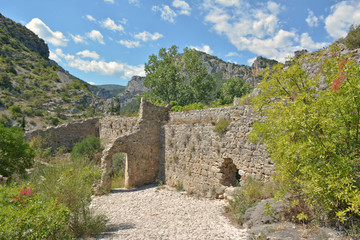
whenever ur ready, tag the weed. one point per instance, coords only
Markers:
(222, 125)
(179, 186)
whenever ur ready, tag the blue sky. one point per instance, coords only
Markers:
(108, 41)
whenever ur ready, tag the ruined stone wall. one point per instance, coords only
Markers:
(112, 127)
(67, 134)
(205, 161)
(142, 146)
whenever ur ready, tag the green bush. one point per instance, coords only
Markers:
(87, 149)
(15, 153)
(15, 111)
(71, 184)
(55, 121)
(248, 196)
(352, 40)
(313, 135)
(222, 125)
(177, 108)
(25, 215)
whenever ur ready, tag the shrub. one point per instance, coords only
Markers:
(352, 40)
(222, 125)
(15, 153)
(86, 149)
(55, 121)
(248, 196)
(25, 215)
(313, 136)
(39, 144)
(15, 111)
(71, 184)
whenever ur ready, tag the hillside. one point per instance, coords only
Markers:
(35, 91)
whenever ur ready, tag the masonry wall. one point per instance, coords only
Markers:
(202, 160)
(112, 127)
(142, 146)
(67, 134)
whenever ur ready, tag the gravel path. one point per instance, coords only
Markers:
(149, 213)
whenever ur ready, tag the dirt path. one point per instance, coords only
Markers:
(149, 213)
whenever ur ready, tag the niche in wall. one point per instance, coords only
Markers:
(230, 173)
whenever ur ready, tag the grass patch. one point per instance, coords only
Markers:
(248, 196)
(222, 125)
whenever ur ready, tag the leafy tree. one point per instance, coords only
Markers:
(15, 153)
(233, 87)
(313, 136)
(352, 40)
(172, 76)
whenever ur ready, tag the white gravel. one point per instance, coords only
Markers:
(152, 213)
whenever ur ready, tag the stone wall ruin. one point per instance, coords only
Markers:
(176, 148)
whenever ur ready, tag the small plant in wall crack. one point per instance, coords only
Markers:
(221, 125)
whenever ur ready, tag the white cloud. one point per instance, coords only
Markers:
(109, 1)
(228, 3)
(96, 36)
(78, 38)
(255, 28)
(312, 20)
(308, 43)
(54, 57)
(43, 31)
(232, 54)
(185, 9)
(91, 83)
(90, 18)
(343, 15)
(251, 60)
(129, 44)
(88, 54)
(167, 14)
(111, 25)
(135, 2)
(204, 48)
(115, 69)
(146, 36)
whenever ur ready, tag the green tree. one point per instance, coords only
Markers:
(352, 40)
(15, 153)
(313, 136)
(172, 76)
(233, 87)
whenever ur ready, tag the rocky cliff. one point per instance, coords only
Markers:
(34, 90)
(12, 30)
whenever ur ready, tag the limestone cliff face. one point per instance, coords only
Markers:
(24, 35)
(134, 87)
(261, 64)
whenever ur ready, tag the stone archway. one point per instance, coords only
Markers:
(230, 174)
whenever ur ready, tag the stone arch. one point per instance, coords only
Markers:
(230, 174)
